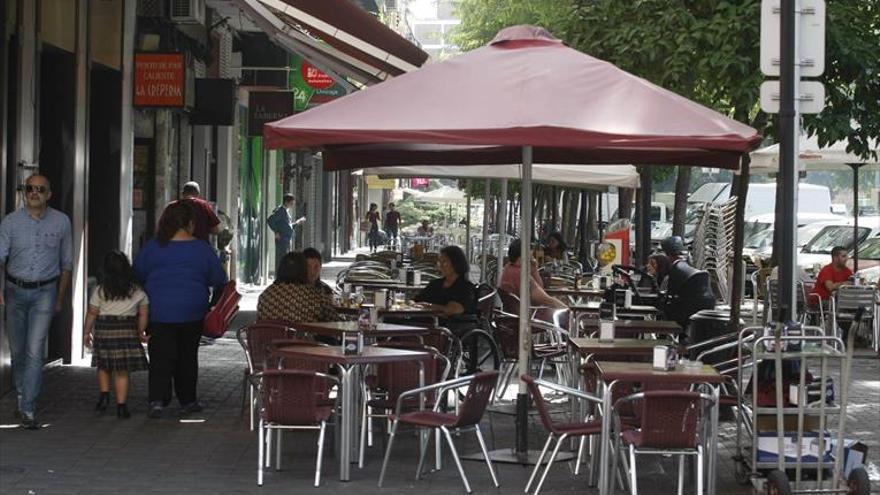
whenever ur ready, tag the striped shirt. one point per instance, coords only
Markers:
(36, 249)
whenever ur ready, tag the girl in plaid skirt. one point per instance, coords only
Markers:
(115, 328)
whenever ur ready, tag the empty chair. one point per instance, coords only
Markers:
(289, 401)
(847, 300)
(470, 412)
(558, 431)
(255, 340)
(672, 428)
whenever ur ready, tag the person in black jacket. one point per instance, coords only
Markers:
(688, 289)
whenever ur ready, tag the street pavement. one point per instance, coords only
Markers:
(78, 452)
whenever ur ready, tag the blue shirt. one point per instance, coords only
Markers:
(36, 249)
(176, 278)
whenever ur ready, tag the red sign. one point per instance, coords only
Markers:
(414, 183)
(159, 79)
(314, 77)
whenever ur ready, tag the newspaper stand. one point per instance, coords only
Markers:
(797, 347)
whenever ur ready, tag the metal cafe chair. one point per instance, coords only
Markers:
(558, 431)
(672, 428)
(845, 303)
(254, 340)
(470, 412)
(289, 400)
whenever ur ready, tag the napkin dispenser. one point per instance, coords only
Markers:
(606, 331)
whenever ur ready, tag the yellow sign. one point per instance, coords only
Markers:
(374, 182)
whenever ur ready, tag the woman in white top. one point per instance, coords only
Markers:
(118, 312)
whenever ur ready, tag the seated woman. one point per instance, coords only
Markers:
(556, 248)
(453, 294)
(510, 279)
(292, 298)
(658, 268)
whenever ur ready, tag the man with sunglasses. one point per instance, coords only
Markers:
(36, 257)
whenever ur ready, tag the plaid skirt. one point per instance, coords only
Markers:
(116, 345)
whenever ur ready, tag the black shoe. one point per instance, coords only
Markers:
(122, 411)
(192, 407)
(155, 411)
(103, 402)
(29, 421)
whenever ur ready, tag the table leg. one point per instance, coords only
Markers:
(347, 422)
(604, 483)
(713, 442)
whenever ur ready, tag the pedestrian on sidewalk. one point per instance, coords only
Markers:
(176, 270)
(283, 225)
(373, 217)
(115, 327)
(36, 253)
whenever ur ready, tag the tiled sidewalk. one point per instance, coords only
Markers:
(77, 452)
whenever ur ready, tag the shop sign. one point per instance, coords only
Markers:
(375, 182)
(159, 79)
(314, 77)
(267, 106)
(414, 183)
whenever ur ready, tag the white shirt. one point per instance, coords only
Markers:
(119, 307)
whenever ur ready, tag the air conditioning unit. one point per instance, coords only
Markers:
(188, 11)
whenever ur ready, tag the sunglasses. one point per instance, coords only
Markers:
(40, 189)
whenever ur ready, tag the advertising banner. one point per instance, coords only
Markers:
(311, 86)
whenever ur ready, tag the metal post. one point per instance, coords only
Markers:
(485, 244)
(502, 232)
(855, 168)
(643, 232)
(525, 338)
(788, 133)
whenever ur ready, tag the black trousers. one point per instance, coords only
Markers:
(174, 361)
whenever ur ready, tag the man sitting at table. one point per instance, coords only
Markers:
(833, 275)
(425, 229)
(510, 279)
(688, 290)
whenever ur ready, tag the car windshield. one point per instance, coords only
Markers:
(834, 235)
(870, 250)
(754, 228)
(760, 239)
(806, 233)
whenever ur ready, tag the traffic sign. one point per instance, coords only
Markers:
(810, 100)
(811, 46)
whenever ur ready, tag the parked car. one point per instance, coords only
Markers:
(817, 252)
(869, 260)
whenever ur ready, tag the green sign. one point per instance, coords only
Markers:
(310, 85)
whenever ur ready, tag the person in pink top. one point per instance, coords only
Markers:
(510, 279)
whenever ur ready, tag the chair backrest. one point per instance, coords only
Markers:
(399, 376)
(509, 302)
(540, 403)
(486, 295)
(280, 361)
(477, 398)
(256, 337)
(507, 335)
(290, 397)
(674, 417)
(850, 297)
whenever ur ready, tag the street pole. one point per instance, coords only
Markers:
(484, 246)
(788, 152)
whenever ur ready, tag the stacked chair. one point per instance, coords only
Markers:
(713, 245)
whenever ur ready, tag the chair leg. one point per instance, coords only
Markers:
(391, 434)
(268, 447)
(261, 445)
(425, 439)
(580, 456)
(438, 451)
(486, 455)
(364, 427)
(550, 463)
(699, 469)
(632, 471)
(320, 454)
(538, 463)
(251, 406)
(681, 475)
(467, 486)
(278, 450)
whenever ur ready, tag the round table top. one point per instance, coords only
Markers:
(335, 354)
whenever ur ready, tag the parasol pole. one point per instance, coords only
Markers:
(502, 233)
(484, 245)
(467, 227)
(522, 397)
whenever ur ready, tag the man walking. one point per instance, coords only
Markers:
(282, 225)
(36, 254)
(392, 224)
(207, 222)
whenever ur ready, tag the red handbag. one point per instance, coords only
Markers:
(220, 316)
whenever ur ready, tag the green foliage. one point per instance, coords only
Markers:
(411, 213)
(707, 51)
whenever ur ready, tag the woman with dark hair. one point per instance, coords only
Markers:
(556, 248)
(453, 294)
(292, 297)
(658, 267)
(177, 271)
(373, 235)
(510, 282)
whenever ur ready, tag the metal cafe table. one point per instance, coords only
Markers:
(349, 365)
(635, 328)
(612, 373)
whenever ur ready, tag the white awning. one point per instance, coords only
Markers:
(586, 176)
